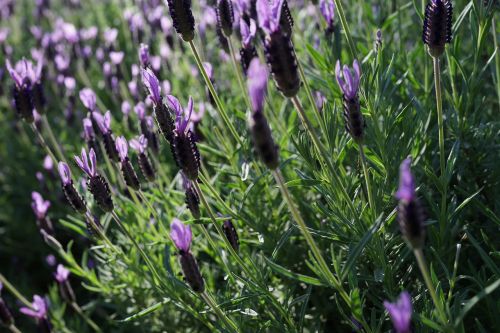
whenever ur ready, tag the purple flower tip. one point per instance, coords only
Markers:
(139, 144)
(61, 274)
(144, 54)
(64, 173)
(269, 15)
(104, 122)
(257, 84)
(48, 164)
(247, 32)
(183, 115)
(406, 190)
(25, 72)
(347, 79)
(116, 57)
(152, 84)
(88, 130)
(88, 98)
(39, 205)
(38, 308)
(327, 8)
(122, 147)
(209, 69)
(83, 162)
(181, 235)
(400, 313)
(140, 110)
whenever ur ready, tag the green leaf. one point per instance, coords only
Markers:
(146, 311)
(474, 300)
(295, 276)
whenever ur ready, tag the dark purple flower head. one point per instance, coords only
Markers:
(140, 144)
(181, 235)
(406, 190)
(153, 85)
(25, 73)
(38, 308)
(140, 110)
(327, 8)
(348, 79)
(39, 205)
(88, 130)
(116, 57)
(64, 173)
(247, 32)
(257, 84)
(104, 122)
(144, 55)
(182, 115)
(61, 274)
(88, 98)
(122, 147)
(269, 15)
(83, 162)
(400, 313)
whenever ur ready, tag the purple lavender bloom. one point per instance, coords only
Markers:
(209, 69)
(181, 235)
(153, 85)
(400, 313)
(110, 35)
(320, 100)
(122, 148)
(140, 145)
(140, 110)
(116, 57)
(144, 55)
(69, 84)
(88, 130)
(327, 8)
(51, 260)
(83, 162)
(61, 274)
(126, 108)
(183, 115)
(247, 32)
(347, 79)
(39, 205)
(257, 84)
(269, 15)
(104, 122)
(25, 73)
(38, 308)
(88, 98)
(64, 173)
(48, 164)
(406, 190)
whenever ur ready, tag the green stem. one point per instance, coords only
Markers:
(419, 255)
(218, 102)
(238, 73)
(156, 276)
(211, 303)
(101, 234)
(497, 56)
(44, 144)
(14, 291)
(367, 178)
(442, 161)
(347, 31)
(14, 329)
(89, 321)
(52, 138)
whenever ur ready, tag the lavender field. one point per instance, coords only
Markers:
(249, 166)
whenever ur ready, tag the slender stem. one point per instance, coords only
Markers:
(323, 153)
(89, 321)
(310, 95)
(44, 144)
(497, 56)
(367, 177)
(101, 234)
(144, 256)
(347, 31)
(442, 161)
(14, 329)
(211, 303)
(419, 255)
(238, 73)
(14, 291)
(52, 138)
(211, 88)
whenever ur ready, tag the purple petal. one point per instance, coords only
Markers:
(93, 162)
(14, 74)
(122, 147)
(152, 84)
(181, 235)
(264, 15)
(400, 313)
(406, 190)
(116, 57)
(140, 110)
(88, 98)
(64, 173)
(61, 274)
(257, 84)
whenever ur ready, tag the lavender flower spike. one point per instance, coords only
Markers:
(122, 147)
(61, 274)
(406, 190)
(104, 122)
(144, 55)
(181, 235)
(139, 144)
(64, 173)
(39, 205)
(247, 32)
(88, 98)
(347, 79)
(153, 85)
(83, 162)
(327, 8)
(257, 84)
(400, 313)
(74, 199)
